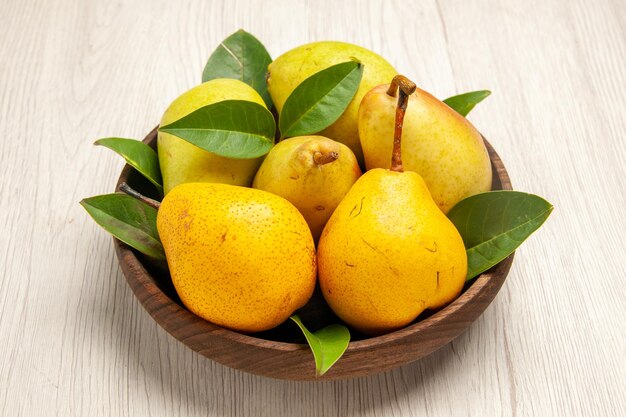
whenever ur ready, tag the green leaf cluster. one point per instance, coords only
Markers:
(230, 128)
(241, 129)
(320, 99)
(495, 223)
(139, 156)
(464, 103)
(327, 344)
(129, 220)
(243, 57)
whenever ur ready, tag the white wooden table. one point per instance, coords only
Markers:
(75, 341)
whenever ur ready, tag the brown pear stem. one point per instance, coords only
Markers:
(405, 87)
(400, 81)
(321, 158)
(125, 188)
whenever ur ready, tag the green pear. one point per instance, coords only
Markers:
(314, 173)
(296, 65)
(437, 143)
(183, 162)
(388, 253)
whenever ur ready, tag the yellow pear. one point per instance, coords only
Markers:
(182, 161)
(313, 172)
(438, 143)
(388, 253)
(290, 69)
(239, 257)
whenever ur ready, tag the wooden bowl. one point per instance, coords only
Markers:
(282, 353)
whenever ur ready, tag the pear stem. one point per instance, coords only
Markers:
(405, 87)
(321, 158)
(125, 188)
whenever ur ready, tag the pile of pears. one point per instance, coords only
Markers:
(359, 207)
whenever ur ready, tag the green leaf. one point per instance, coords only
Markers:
(319, 100)
(495, 223)
(243, 57)
(231, 128)
(127, 219)
(464, 103)
(327, 344)
(138, 155)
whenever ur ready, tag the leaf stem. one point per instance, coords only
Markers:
(125, 188)
(405, 87)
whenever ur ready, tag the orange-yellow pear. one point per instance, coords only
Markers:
(313, 172)
(388, 253)
(182, 161)
(438, 143)
(239, 257)
(291, 68)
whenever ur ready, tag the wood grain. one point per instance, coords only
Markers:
(76, 341)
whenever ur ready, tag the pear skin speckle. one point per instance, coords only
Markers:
(239, 257)
(388, 253)
(290, 171)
